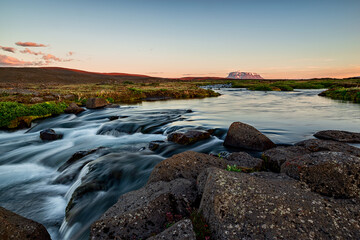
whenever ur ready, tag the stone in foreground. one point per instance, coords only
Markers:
(273, 206)
(340, 136)
(73, 108)
(186, 165)
(50, 135)
(335, 174)
(189, 137)
(93, 103)
(14, 226)
(182, 230)
(245, 161)
(244, 136)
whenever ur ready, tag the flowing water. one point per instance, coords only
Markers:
(32, 186)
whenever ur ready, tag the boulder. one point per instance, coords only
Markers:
(36, 100)
(142, 213)
(245, 161)
(241, 135)
(182, 230)
(188, 137)
(266, 205)
(93, 103)
(73, 108)
(316, 145)
(340, 136)
(50, 135)
(334, 174)
(14, 226)
(186, 165)
(153, 145)
(275, 157)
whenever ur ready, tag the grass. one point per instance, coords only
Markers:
(346, 94)
(233, 168)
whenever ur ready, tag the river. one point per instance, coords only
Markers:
(29, 176)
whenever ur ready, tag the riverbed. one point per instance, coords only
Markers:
(29, 166)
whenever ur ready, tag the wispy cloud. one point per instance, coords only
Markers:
(28, 51)
(70, 53)
(11, 61)
(8, 49)
(30, 44)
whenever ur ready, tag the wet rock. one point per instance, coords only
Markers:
(186, 165)
(241, 135)
(245, 161)
(153, 145)
(14, 226)
(142, 213)
(112, 105)
(112, 118)
(272, 206)
(340, 136)
(76, 156)
(93, 103)
(275, 157)
(335, 174)
(189, 137)
(36, 100)
(50, 135)
(182, 230)
(73, 108)
(316, 145)
(188, 111)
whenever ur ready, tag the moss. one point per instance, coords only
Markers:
(346, 94)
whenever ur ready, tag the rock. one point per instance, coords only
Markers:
(241, 135)
(275, 157)
(112, 105)
(76, 156)
(50, 135)
(334, 174)
(142, 213)
(340, 136)
(316, 145)
(73, 108)
(182, 230)
(186, 165)
(70, 97)
(49, 98)
(93, 103)
(36, 100)
(243, 75)
(189, 137)
(112, 118)
(266, 205)
(153, 145)
(245, 161)
(14, 226)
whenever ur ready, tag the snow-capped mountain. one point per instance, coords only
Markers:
(244, 75)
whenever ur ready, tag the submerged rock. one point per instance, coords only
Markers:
(241, 135)
(93, 103)
(112, 118)
(50, 135)
(153, 145)
(182, 230)
(272, 206)
(335, 174)
(14, 226)
(73, 108)
(340, 136)
(189, 137)
(245, 161)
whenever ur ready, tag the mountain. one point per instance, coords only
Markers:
(244, 75)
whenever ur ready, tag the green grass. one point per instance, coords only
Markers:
(233, 168)
(346, 94)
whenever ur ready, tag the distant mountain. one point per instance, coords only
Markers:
(244, 75)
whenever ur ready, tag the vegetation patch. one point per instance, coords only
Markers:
(201, 228)
(346, 94)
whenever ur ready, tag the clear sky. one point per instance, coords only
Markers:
(179, 38)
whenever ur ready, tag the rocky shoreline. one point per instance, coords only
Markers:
(310, 190)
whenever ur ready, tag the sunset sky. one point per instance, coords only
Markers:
(173, 38)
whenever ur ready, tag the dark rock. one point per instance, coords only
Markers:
(50, 135)
(76, 156)
(14, 226)
(93, 103)
(316, 145)
(112, 105)
(266, 205)
(49, 98)
(241, 135)
(182, 230)
(73, 108)
(112, 118)
(245, 161)
(275, 157)
(141, 214)
(189, 137)
(340, 136)
(153, 145)
(186, 165)
(188, 111)
(36, 100)
(335, 174)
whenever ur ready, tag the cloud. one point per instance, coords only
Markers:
(11, 61)
(8, 49)
(70, 53)
(30, 44)
(26, 50)
(50, 57)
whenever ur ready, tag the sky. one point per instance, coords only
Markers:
(172, 38)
